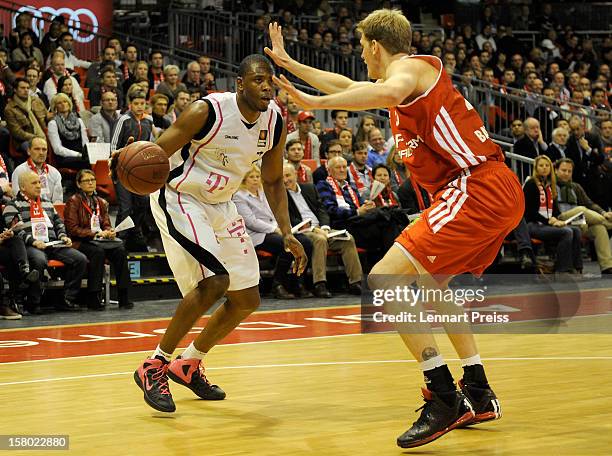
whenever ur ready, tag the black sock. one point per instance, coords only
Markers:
(474, 375)
(439, 379)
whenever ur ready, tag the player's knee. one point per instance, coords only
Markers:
(214, 287)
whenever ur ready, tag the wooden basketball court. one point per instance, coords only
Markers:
(313, 385)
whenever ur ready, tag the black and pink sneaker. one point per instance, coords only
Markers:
(152, 378)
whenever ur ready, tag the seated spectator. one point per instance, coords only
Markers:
(67, 135)
(541, 211)
(33, 77)
(23, 24)
(366, 123)
(23, 55)
(192, 78)
(141, 72)
(377, 153)
(49, 41)
(26, 117)
(181, 102)
(65, 43)
(399, 174)
(156, 69)
(304, 203)
(345, 137)
(50, 178)
(108, 83)
(334, 149)
(159, 107)
(310, 141)
(532, 144)
(372, 229)
(583, 148)
(95, 73)
(360, 173)
(294, 154)
(64, 85)
(42, 224)
(266, 235)
(132, 124)
(58, 69)
(386, 198)
(195, 95)
(102, 123)
(128, 66)
(171, 85)
(556, 149)
(340, 119)
(574, 200)
(88, 225)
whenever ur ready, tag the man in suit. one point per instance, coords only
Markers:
(557, 148)
(531, 145)
(584, 150)
(304, 203)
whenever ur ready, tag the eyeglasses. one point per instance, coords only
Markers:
(87, 181)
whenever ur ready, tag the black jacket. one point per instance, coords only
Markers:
(532, 203)
(310, 194)
(584, 165)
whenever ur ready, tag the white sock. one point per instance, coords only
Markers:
(471, 361)
(432, 363)
(159, 352)
(191, 352)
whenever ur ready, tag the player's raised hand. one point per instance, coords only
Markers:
(297, 250)
(277, 53)
(114, 158)
(302, 99)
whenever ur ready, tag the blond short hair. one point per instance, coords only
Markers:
(254, 169)
(57, 97)
(390, 28)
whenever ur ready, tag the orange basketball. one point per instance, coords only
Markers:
(143, 167)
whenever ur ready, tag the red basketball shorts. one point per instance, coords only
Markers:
(466, 225)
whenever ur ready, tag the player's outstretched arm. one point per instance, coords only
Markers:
(276, 194)
(388, 93)
(325, 81)
(181, 132)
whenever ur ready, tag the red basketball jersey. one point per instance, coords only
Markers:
(439, 133)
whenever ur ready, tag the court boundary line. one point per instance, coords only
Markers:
(318, 364)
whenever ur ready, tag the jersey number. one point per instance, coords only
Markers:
(216, 182)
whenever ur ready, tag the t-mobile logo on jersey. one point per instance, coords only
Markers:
(214, 182)
(238, 230)
(405, 149)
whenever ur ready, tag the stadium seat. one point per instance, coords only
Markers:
(59, 208)
(104, 184)
(312, 164)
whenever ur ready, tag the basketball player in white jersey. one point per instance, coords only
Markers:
(211, 146)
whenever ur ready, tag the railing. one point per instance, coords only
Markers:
(534, 38)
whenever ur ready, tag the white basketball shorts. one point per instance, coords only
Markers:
(201, 240)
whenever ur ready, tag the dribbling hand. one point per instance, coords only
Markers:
(297, 250)
(114, 159)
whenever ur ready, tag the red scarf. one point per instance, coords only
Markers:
(391, 201)
(357, 179)
(291, 127)
(158, 78)
(398, 177)
(36, 209)
(126, 70)
(302, 175)
(417, 190)
(339, 194)
(307, 148)
(33, 167)
(3, 165)
(55, 80)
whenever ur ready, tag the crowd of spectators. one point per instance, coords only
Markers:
(550, 99)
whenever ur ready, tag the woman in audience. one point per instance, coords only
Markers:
(366, 123)
(387, 197)
(541, 209)
(88, 225)
(261, 225)
(171, 84)
(67, 134)
(345, 137)
(26, 53)
(64, 85)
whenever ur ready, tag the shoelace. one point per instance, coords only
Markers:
(160, 375)
(201, 372)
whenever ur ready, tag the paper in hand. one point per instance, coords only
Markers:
(376, 188)
(125, 225)
(303, 226)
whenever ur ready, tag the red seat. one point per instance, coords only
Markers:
(55, 264)
(104, 184)
(59, 208)
(312, 164)
(263, 254)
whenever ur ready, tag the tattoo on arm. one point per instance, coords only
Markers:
(429, 352)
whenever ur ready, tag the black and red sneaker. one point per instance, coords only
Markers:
(152, 378)
(437, 418)
(487, 408)
(190, 373)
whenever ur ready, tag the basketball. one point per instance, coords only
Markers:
(143, 167)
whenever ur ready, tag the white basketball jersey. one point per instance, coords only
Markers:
(212, 166)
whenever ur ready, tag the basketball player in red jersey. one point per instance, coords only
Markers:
(477, 199)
